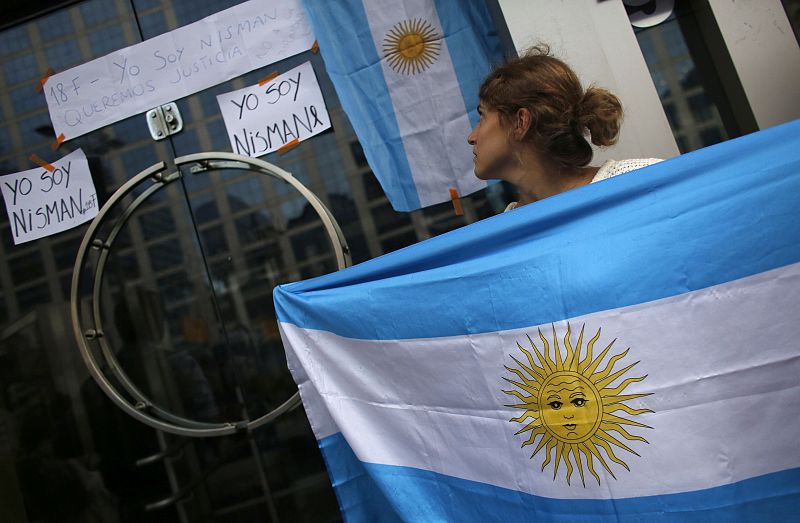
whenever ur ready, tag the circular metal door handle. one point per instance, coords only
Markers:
(88, 325)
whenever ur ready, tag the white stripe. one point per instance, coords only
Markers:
(722, 364)
(429, 108)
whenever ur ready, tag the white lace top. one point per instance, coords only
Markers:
(609, 169)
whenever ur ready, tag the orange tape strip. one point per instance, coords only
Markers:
(43, 79)
(35, 159)
(55, 145)
(456, 201)
(315, 47)
(272, 76)
(291, 145)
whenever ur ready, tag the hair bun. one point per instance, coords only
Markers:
(600, 112)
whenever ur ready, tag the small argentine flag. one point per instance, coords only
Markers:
(626, 351)
(408, 73)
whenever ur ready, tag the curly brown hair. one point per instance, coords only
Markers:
(562, 113)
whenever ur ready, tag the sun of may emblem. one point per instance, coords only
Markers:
(572, 403)
(411, 46)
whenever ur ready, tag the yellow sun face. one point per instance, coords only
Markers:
(569, 404)
(571, 407)
(411, 46)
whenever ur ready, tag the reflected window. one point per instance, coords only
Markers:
(691, 113)
(792, 8)
(317, 268)
(296, 169)
(254, 227)
(15, 39)
(711, 135)
(218, 135)
(63, 55)
(673, 39)
(264, 260)
(36, 129)
(372, 186)
(29, 297)
(358, 154)
(292, 210)
(701, 106)
(64, 252)
(205, 207)
(23, 102)
(186, 142)
(5, 142)
(55, 25)
(157, 223)
(398, 241)
(152, 24)
(311, 243)
(175, 287)
(26, 267)
(245, 194)
(106, 40)
(672, 115)
(139, 158)
(5, 236)
(141, 5)
(214, 240)
(127, 265)
(95, 12)
(20, 69)
(165, 255)
(387, 219)
(65, 282)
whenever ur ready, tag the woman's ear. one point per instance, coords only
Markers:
(522, 123)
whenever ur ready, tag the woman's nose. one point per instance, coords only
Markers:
(471, 137)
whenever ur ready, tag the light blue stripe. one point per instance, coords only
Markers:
(704, 218)
(474, 46)
(372, 493)
(353, 64)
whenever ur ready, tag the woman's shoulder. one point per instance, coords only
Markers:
(612, 168)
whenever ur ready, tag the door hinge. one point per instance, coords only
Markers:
(164, 121)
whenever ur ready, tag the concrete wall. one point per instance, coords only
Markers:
(765, 54)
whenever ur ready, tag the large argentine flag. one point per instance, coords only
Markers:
(407, 73)
(627, 351)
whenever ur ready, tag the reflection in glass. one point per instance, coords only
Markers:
(692, 115)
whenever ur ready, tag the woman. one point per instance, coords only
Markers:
(534, 120)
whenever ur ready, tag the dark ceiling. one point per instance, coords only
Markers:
(15, 12)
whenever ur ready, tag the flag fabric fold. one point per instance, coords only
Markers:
(626, 351)
(408, 73)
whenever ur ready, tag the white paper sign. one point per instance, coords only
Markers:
(262, 119)
(40, 203)
(175, 64)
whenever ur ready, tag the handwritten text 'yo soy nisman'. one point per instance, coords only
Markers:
(304, 119)
(175, 64)
(25, 219)
(262, 119)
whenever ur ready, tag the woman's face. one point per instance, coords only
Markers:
(490, 145)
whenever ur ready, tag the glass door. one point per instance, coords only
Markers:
(186, 306)
(186, 302)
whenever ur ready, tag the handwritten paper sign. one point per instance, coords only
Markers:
(262, 119)
(175, 64)
(40, 203)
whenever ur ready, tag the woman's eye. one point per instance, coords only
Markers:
(579, 402)
(555, 405)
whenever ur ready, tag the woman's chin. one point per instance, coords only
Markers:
(481, 174)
